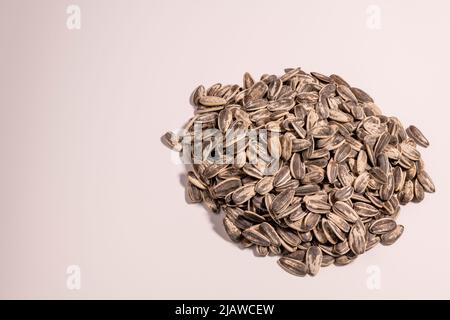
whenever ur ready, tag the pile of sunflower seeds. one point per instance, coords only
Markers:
(324, 182)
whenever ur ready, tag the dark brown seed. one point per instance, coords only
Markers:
(327, 260)
(361, 95)
(379, 175)
(415, 134)
(419, 193)
(298, 255)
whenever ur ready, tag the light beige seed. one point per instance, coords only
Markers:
(332, 171)
(407, 193)
(356, 238)
(212, 101)
(313, 260)
(257, 91)
(382, 226)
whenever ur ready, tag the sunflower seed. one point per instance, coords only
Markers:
(293, 266)
(415, 134)
(256, 237)
(426, 181)
(345, 211)
(356, 238)
(313, 260)
(382, 226)
(392, 236)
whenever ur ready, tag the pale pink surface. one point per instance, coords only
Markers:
(84, 179)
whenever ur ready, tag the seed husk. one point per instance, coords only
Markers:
(293, 266)
(313, 260)
(426, 182)
(382, 226)
(389, 238)
(253, 235)
(356, 239)
(415, 134)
